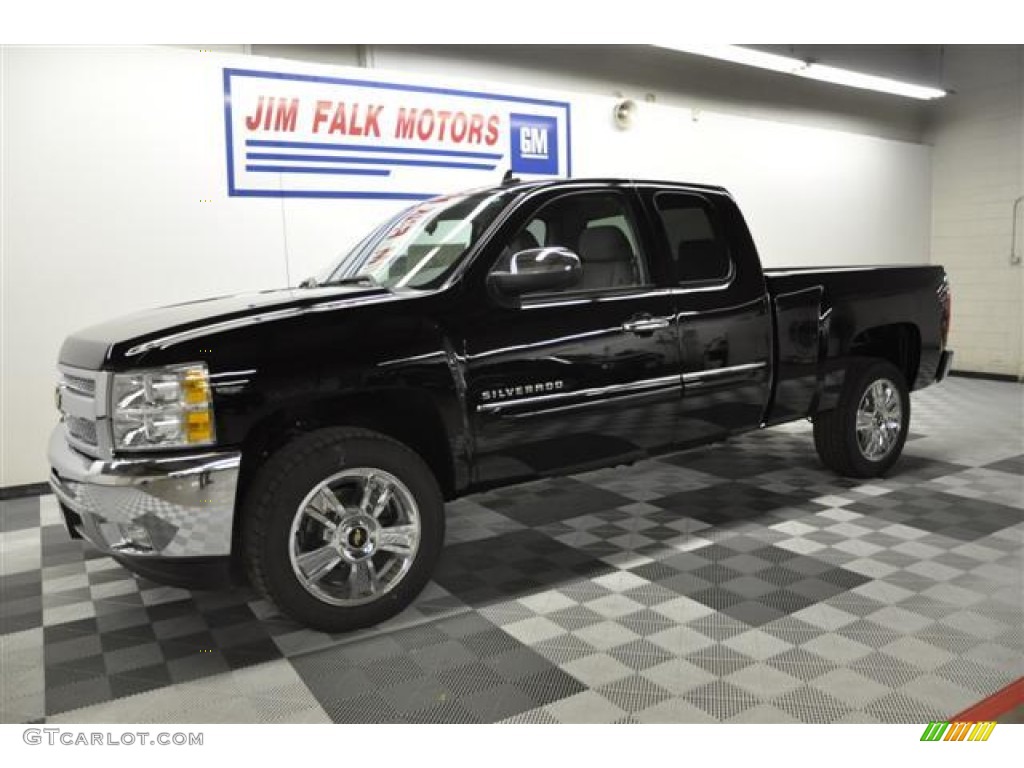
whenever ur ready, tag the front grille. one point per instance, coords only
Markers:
(80, 384)
(81, 429)
(82, 401)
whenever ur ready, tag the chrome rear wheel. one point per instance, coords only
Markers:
(879, 420)
(863, 434)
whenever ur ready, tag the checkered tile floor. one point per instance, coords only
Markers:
(737, 583)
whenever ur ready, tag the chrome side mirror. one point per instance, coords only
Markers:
(536, 269)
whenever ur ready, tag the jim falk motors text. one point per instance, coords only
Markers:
(334, 118)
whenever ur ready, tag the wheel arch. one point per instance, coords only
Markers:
(407, 415)
(899, 343)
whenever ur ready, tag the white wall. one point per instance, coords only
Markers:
(978, 170)
(108, 157)
(811, 196)
(114, 199)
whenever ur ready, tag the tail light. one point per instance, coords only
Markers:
(946, 303)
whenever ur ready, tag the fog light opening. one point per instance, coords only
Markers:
(134, 537)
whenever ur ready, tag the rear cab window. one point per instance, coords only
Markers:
(693, 240)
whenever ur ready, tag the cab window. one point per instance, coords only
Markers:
(696, 249)
(599, 228)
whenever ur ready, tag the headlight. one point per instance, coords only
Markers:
(163, 408)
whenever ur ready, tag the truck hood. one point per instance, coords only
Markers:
(92, 347)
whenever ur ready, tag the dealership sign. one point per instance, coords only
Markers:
(299, 135)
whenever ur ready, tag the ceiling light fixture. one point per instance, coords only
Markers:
(792, 66)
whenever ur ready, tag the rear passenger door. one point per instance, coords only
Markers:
(724, 322)
(583, 376)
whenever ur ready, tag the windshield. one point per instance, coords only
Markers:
(421, 246)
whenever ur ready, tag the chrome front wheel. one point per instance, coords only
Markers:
(354, 536)
(342, 528)
(879, 420)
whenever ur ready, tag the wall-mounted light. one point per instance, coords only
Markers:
(791, 66)
(624, 113)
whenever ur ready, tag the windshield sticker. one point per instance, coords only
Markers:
(300, 135)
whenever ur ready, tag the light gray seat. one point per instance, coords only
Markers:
(607, 257)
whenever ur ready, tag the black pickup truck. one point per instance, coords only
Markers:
(312, 435)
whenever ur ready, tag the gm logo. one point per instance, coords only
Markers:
(534, 144)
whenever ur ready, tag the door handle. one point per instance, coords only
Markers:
(645, 325)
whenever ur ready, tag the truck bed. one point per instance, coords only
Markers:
(826, 315)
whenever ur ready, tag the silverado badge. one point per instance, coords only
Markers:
(522, 390)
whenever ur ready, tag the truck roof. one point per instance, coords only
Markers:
(516, 183)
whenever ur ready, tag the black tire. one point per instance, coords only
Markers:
(835, 431)
(273, 501)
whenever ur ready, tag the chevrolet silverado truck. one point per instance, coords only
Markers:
(308, 438)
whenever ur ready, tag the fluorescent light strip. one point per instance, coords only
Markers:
(869, 82)
(790, 66)
(739, 55)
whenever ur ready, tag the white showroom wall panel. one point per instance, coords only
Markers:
(978, 171)
(109, 155)
(109, 159)
(811, 196)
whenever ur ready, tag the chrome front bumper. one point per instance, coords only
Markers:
(147, 507)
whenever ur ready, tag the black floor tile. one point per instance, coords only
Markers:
(956, 517)
(548, 501)
(726, 503)
(19, 514)
(512, 565)
(1014, 466)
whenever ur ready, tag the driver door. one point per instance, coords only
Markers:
(585, 376)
